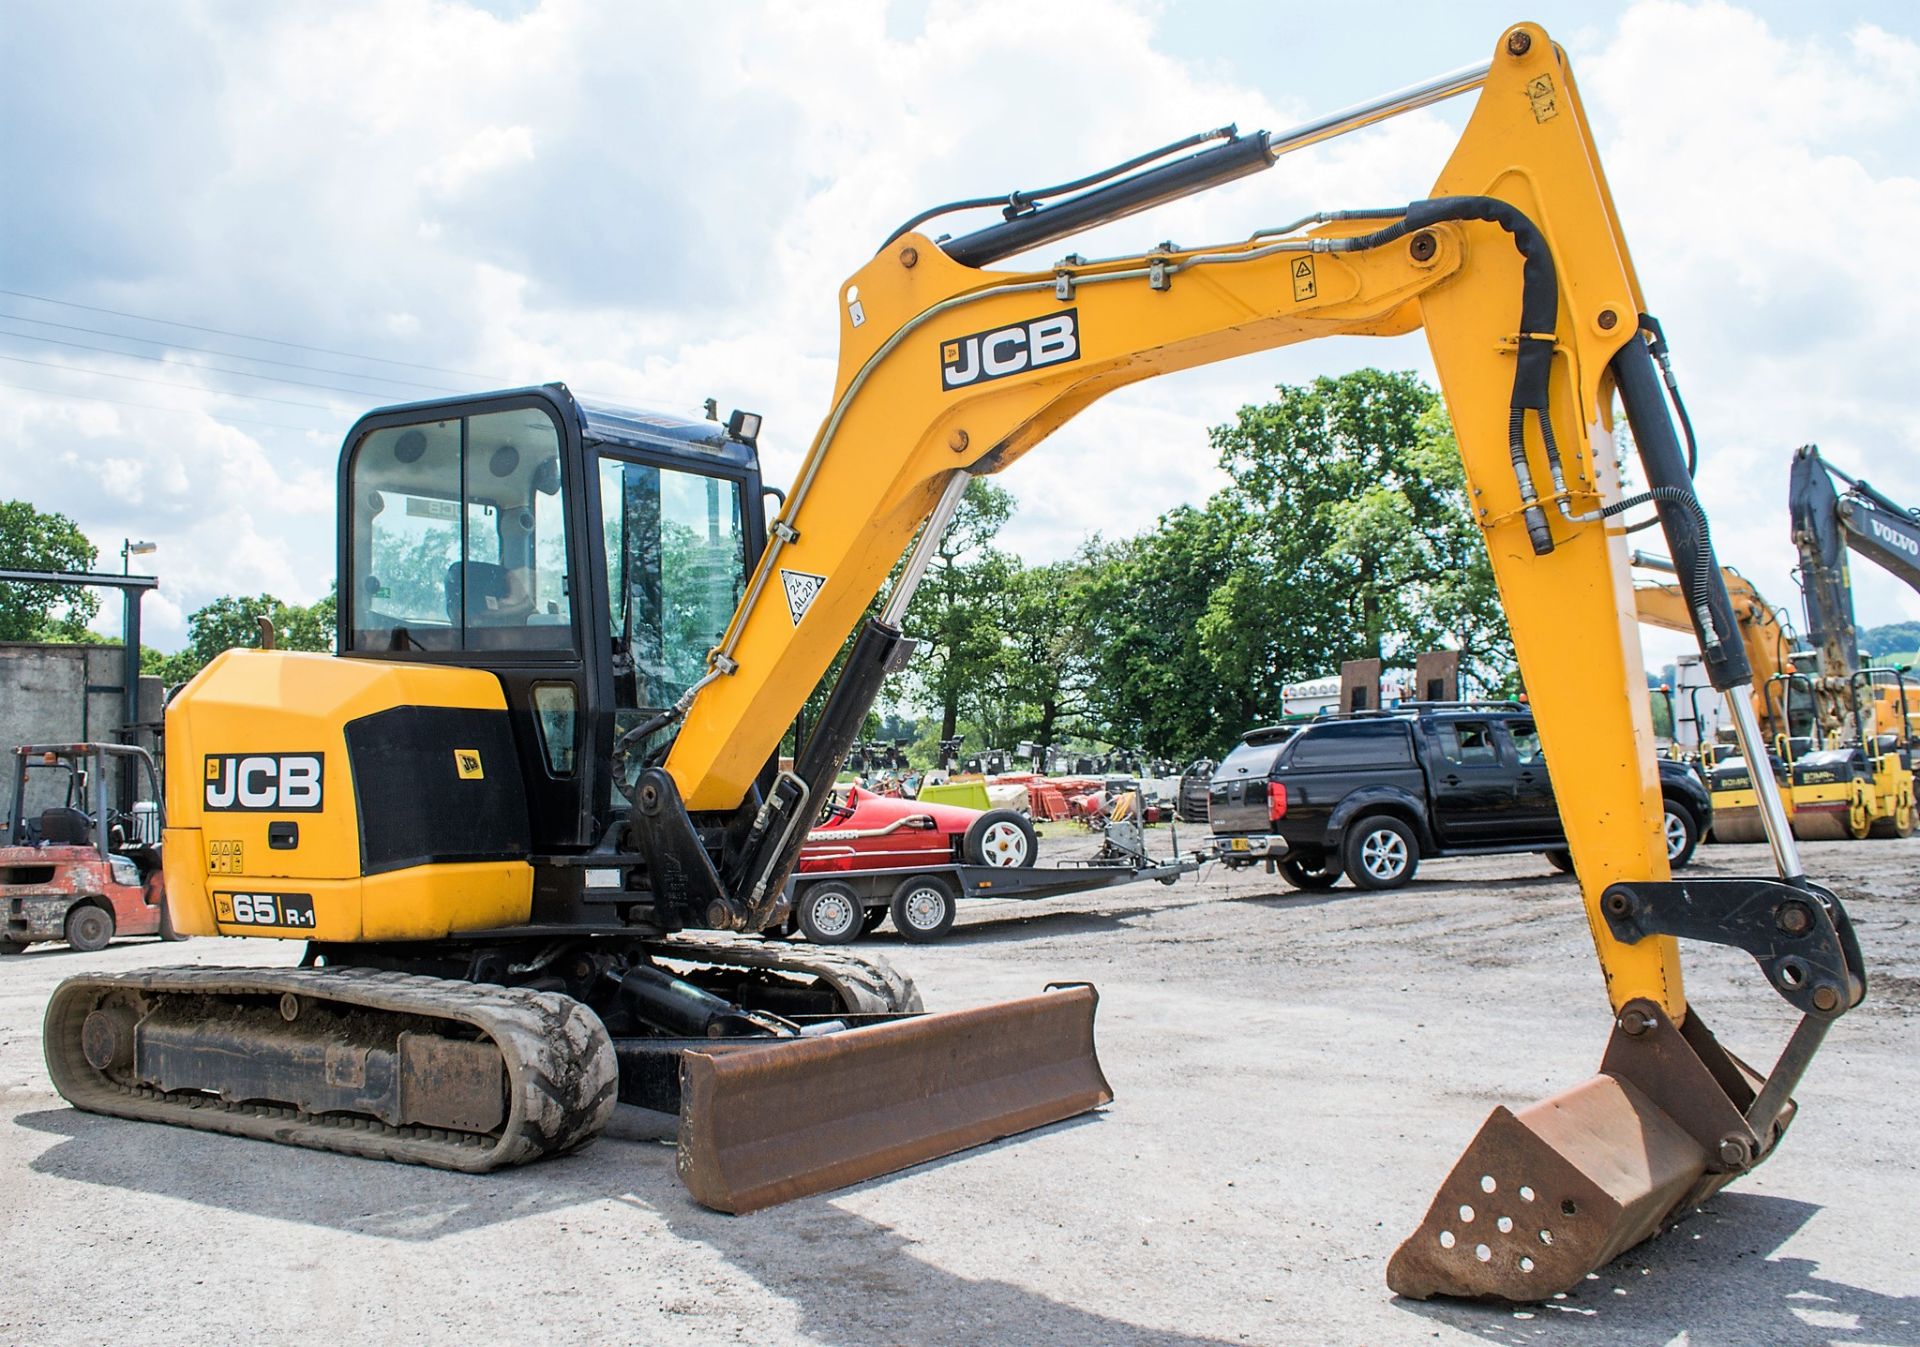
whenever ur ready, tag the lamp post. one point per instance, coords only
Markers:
(132, 548)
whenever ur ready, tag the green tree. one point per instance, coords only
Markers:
(1345, 534)
(1362, 544)
(1152, 680)
(233, 620)
(41, 540)
(1043, 680)
(961, 609)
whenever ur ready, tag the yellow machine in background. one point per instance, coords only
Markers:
(548, 756)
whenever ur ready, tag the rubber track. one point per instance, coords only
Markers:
(864, 984)
(561, 1071)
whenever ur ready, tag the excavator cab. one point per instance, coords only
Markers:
(587, 556)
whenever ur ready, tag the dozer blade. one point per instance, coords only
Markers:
(759, 1126)
(1544, 1196)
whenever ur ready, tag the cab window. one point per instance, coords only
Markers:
(458, 536)
(676, 569)
(1526, 742)
(1468, 743)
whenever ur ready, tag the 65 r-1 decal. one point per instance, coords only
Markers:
(264, 909)
(1050, 339)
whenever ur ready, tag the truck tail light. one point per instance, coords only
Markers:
(1276, 801)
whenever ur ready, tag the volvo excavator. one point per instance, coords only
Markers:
(1827, 524)
(528, 818)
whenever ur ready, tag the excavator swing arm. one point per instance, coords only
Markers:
(1517, 270)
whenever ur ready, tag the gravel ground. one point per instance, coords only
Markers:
(1295, 1074)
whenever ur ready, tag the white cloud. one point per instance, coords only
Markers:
(657, 204)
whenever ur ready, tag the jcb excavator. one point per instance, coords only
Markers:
(546, 759)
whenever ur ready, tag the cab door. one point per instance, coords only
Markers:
(1473, 787)
(1536, 815)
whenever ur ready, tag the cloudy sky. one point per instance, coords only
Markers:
(228, 228)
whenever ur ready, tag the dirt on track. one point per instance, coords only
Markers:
(1295, 1075)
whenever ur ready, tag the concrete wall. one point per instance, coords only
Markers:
(44, 696)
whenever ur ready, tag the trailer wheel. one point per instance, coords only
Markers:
(923, 908)
(870, 920)
(1561, 860)
(1381, 853)
(89, 928)
(1002, 837)
(829, 914)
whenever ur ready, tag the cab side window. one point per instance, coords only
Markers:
(1467, 743)
(1526, 743)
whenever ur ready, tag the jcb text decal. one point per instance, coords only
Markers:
(281, 782)
(1034, 344)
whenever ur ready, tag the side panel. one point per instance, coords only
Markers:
(271, 809)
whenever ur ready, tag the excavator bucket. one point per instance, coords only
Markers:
(1544, 1196)
(760, 1126)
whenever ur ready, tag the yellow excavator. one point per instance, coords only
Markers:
(1769, 644)
(529, 817)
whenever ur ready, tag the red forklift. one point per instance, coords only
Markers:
(80, 848)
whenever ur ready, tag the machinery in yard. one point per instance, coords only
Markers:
(1770, 646)
(526, 817)
(73, 867)
(1858, 778)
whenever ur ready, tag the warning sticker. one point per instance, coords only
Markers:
(1540, 94)
(802, 588)
(1303, 284)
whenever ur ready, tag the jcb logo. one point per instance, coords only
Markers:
(1009, 350)
(281, 782)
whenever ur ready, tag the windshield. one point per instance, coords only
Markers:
(1249, 760)
(459, 538)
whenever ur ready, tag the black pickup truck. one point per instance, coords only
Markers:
(1369, 794)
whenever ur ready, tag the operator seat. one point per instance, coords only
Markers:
(66, 827)
(484, 581)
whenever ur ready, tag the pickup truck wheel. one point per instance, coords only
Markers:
(1001, 837)
(1319, 873)
(89, 929)
(1561, 860)
(1381, 853)
(1682, 834)
(12, 947)
(923, 908)
(829, 914)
